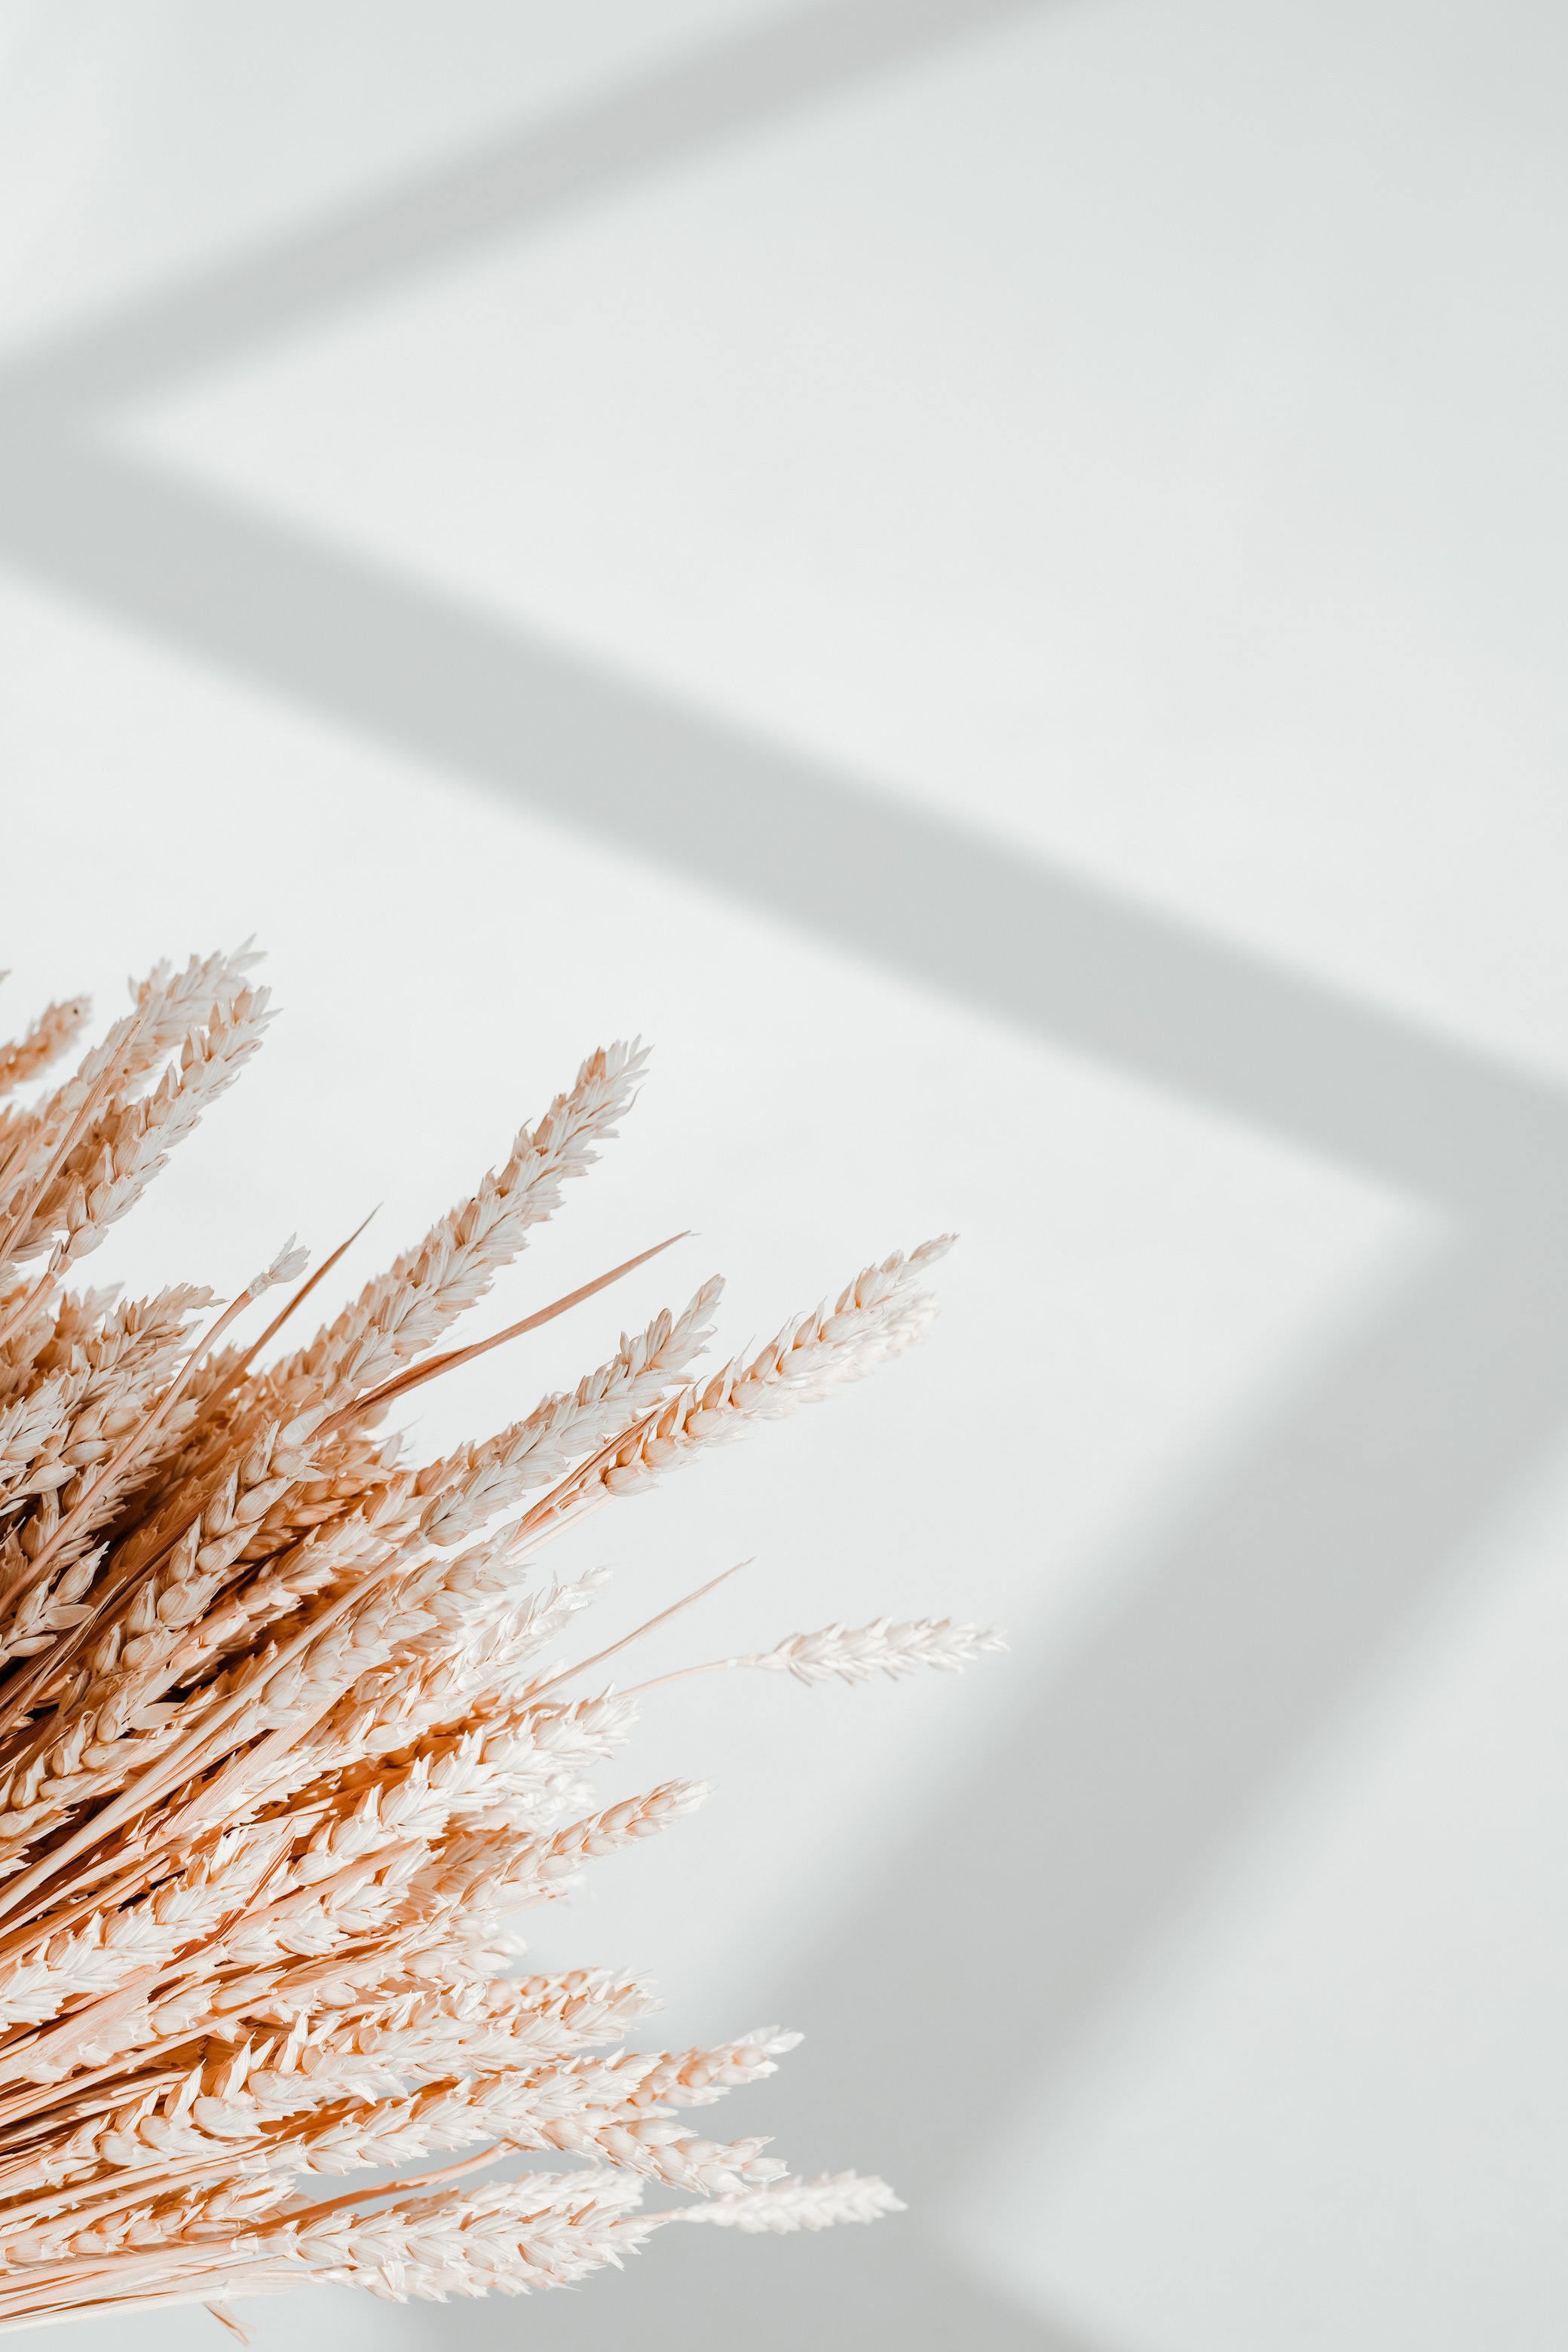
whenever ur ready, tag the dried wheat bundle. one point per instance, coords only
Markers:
(281, 1755)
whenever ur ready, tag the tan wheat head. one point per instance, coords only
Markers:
(283, 1752)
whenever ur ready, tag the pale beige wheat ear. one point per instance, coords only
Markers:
(287, 1744)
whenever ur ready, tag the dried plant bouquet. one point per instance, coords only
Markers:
(283, 1751)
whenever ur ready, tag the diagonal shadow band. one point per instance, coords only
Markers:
(1317, 1544)
(729, 87)
(1144, 1757)
(975, 1963)
(1146, 1753)
(409, 667)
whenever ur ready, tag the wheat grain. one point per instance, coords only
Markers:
(57, 1027)
(854, 1654)
(788, 2205)
(401, 1313)
(482, 1480)
(279, 1763)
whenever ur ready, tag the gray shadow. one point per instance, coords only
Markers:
(1150, 1749)
(409, 667)
(978, 1960)
(666, 115)
(1152, 1745)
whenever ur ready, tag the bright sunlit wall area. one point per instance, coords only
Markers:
(989, 577)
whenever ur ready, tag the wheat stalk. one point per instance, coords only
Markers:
(281, 1751)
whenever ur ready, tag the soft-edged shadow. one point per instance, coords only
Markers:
(1147, 1753)
(980, 1959)
(644, 775)
(990, 1948)
(663, 115)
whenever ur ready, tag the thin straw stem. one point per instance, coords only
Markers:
(567, 1674)
(171, 1769)
(119, 1461)
(116, 2306)
(680, 1675)
(401, 1382)
(299, 1298)
(406, 2181)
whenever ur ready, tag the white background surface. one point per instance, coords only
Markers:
(495, 496)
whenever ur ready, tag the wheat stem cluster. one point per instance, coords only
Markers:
(285, 1751)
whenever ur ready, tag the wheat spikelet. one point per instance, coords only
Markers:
(401, 1313)
(482, 1480)
(788, 2205)
(853, 1653)
(279, 1763)
(56, 1027)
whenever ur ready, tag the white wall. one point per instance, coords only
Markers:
(990, 576)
